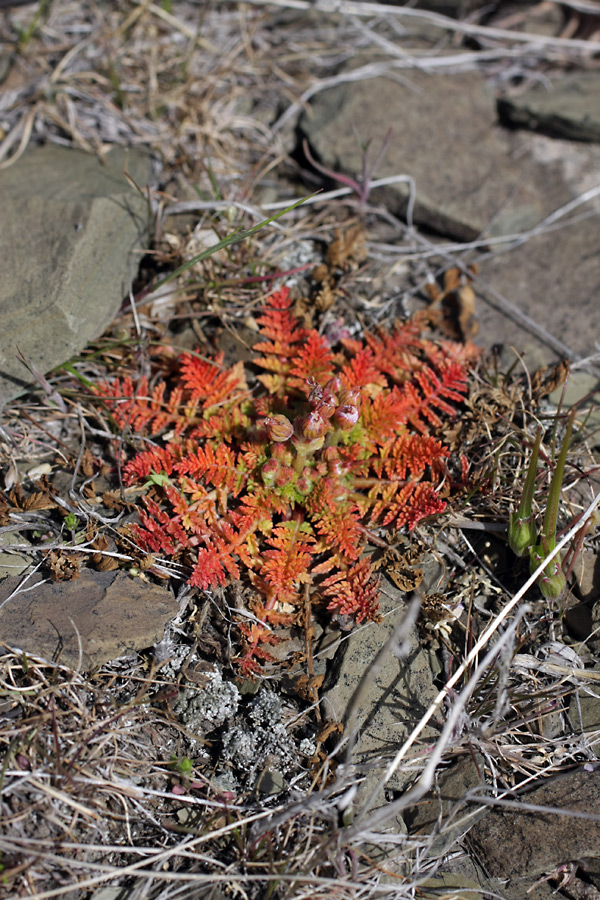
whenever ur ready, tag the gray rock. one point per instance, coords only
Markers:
(569, 108)
(68, 230)
(106, 614)
(582, 388)
(552, 277)
(380, 699)
(507, 842)
(476, 179)
(584, 712)
(444, 137)
(443, 813)
(450, 885)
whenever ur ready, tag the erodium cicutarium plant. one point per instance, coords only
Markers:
(278, 477)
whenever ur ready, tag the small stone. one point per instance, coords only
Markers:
(584, 710)
(447, 800)
(106, 615)
(271, 782)
(16, 562)
(389, 692)
(450, 885)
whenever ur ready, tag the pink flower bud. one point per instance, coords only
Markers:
(346, 417)
(281, 453)
(279, 428)
(349, 396)
(284, 476)
(336, 490)
(304, 484)
(335, 465)
(322, 399)
(328, 404)
(270, 471)
(311, 426)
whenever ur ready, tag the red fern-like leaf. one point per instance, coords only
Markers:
(216, 560)
(429, 393)
(196, 512)
(353, 592)
(208, 381)
(314, 362)
(398, 354)
(386, 416)
(214, 564)
(413, 502)
(139, 409)
(215, 466)
(284, 336)
(336, 521)
(288, 564)
(361, 370)
(158, 532)
(409, 455)
(157, 459)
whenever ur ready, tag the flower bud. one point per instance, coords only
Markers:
(335, 465)
(346, 417)
(349, 396)
(282, 453)
(311, 426)
(321, 399)
(269, 472)
(279, 428)
(328, 404)
(304, 484)
(284, 476)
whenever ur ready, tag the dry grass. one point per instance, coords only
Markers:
(93, 791)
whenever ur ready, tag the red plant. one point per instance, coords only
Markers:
(281, 484)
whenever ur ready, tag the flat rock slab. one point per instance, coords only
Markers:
(568, 108)
(68, 229)
(476, 179)
(380, 696)
(444, 136)
(510, 843)
(554, 276)
(110, 613)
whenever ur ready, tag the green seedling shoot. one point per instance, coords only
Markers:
(552, 581)
(71, 521)
(522, 533)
